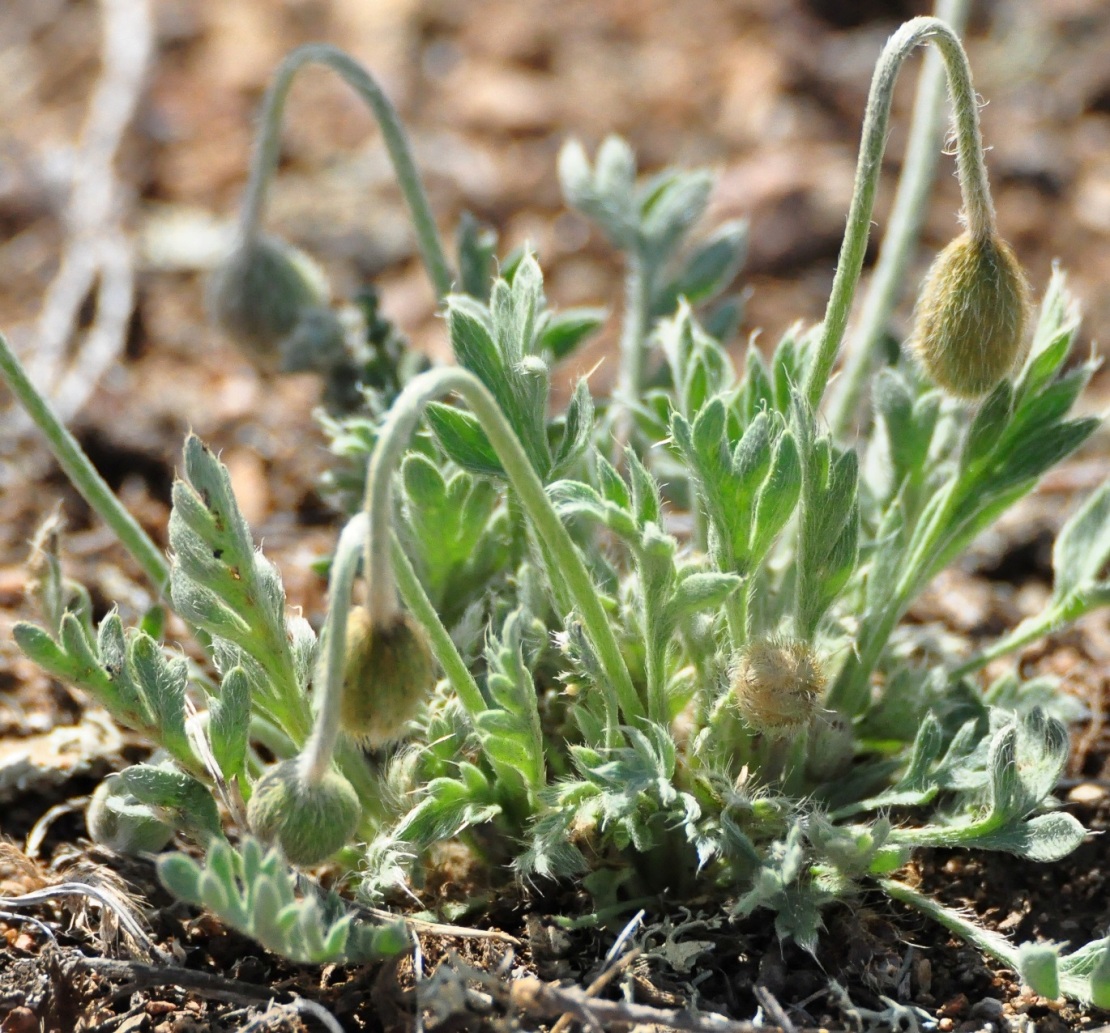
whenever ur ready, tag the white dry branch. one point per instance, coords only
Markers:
(98, 254)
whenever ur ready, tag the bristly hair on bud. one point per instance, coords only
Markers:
(388, 675)
(970, 320)
(309, 821)
(272, 300)
(777, 683)
(117, 820)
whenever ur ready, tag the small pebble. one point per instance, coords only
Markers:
(987, 1008)
(21, 1020)
(953, 1007)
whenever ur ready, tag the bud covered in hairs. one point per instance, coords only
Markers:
(309, 821)
(778, 684)
(272, 300)
(389, 673)
(970, 320)
(117, 820)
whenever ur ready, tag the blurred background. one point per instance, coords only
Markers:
(126, 129)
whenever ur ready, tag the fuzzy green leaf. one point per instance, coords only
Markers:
(1045, 837)
(565, 331)
(256, 894)
(476, 246)
(188, 801)
(229, 723)
(1082, 548)
(162, 683)
(709, 269)
(462, 438)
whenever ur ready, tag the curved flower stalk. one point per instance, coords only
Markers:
(271, 298)
(907, 216)
(267, 148)
(304, 804)
(619, 692)
(970, 166)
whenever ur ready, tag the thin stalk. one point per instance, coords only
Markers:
(325, 732)
(970, 167)
(907, 216)
(358, 78)
(849, 692)
(1055, 617)
(986, 940)
(618, 691)
(443, 647)
(324, 744)
(634, 328)
(736, 616)
(655, 656)
(83, 474)
(1027, 631)
(1077, 981)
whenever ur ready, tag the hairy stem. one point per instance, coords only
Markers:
(907, 216)
(444, 649)
(970, 167)
(634, 329)
(393, 133)
(987, 940)
(618, 691)
(1057, 616)
(329, 677)
(83, 475)
(849, 692)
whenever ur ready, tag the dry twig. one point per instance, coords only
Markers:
(542, 1000)
(140, 976)
(599, 984)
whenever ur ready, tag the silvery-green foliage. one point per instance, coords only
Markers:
(225, 587)
(252, 890)
(452, 526)
(125, 671)
(650, 219)
(503, 343)
(625, 760)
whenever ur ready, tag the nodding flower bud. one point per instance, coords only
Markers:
(117, 820)
(308, 821)
(389, 673)
(272, 300)
(969, 325)
(777, 683)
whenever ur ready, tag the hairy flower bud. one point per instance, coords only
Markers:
(272, 300)
(117, 820)
(969, 325)
(388, 675)
(777, 683)
(309, 821)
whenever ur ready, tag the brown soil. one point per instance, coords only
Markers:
(769, 94)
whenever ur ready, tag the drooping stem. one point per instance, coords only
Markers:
(907, 216)
(619, 694)
(83, 475)
(267, 149)
(970, 167)
(329, 678)
(443, 647)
